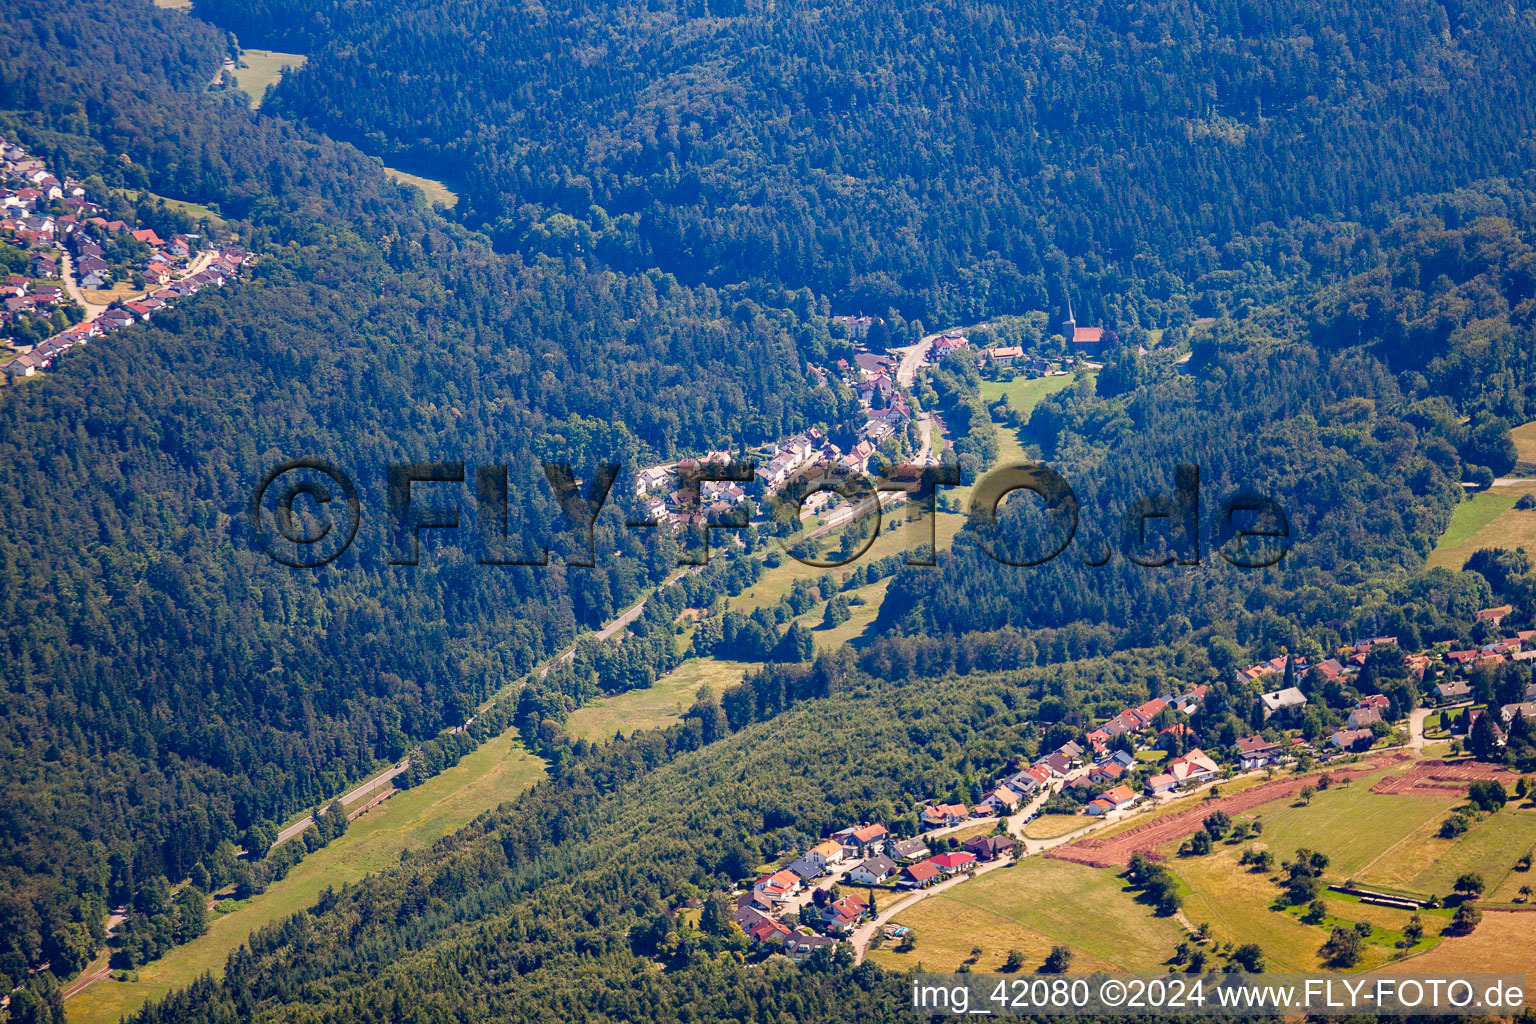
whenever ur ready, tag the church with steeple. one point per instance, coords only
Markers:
(1083, 339)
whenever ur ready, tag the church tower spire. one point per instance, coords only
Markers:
(1069, 325)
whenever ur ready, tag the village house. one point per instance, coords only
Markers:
(950, 343)
(1525, 709)
(1361, 718)
(943, 815)
(920, 875)
(779, 886)
(1494, 615)
(1003, 355)
(1029, 780)
(1453, 690)
(807, 869)
(841, 916)
(1256, 752)
(1283, 702)
(1111, 800)
(1351, 740)
(758, 926)
(954, 861)
(874, 870)
(1057, 764)
(799, 946)
(1177, 731)
(989, 848)
(856, 326)
(824, 855)
(1192, 769)
(1107, 774)
(914, 849)
(862, 840)
(1001, 800)
(1331, 670)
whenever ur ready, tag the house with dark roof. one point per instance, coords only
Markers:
(1453, 690)
(988, 848)
(1361, 718)
(1525, 709)
(1352, 740)
(1256, 752)
(874, 870)
(1056, 764)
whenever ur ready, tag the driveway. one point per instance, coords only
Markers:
(67, 265)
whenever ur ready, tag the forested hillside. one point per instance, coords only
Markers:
(950, 160)
(1359, 407)
(559, 905)
(166, 685)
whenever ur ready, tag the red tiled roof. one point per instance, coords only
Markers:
(954, 859)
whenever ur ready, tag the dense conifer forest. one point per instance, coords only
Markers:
(946, 160)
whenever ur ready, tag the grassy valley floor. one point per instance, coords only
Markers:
(410, 820)
(1376, 840)
(1030, 907)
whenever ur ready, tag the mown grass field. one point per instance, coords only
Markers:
(860, 617)
(1488, 519)
(486, 778)
(1024, 393)
(436, 192)
(1524, 437)
(1490, 848)
(1030, 907)
(1501, 943)
(1236, 903)
(661, 704)
(106, 296)
(1376, 840)
(264, 68)
(900, 531)
(1356, 828)
(1053, 826)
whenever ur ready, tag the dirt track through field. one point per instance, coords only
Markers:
(1439, 777)
(1117, 850)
